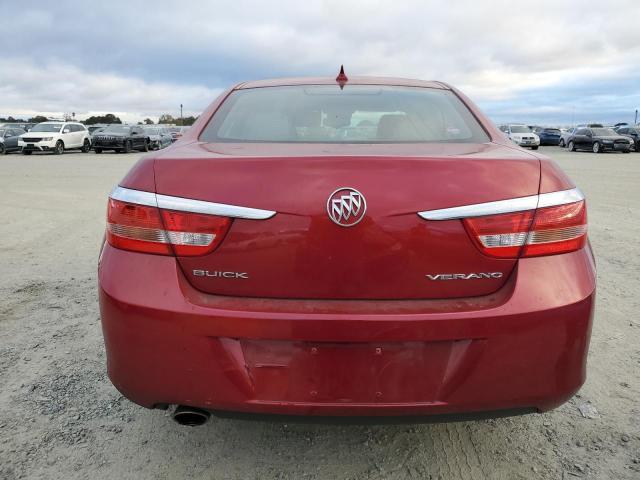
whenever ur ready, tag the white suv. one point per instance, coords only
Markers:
(55, 137)
(522, 135)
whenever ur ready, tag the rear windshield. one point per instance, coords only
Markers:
(520, 129)
(552, 130)
(356, 114)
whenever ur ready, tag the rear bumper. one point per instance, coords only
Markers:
(523, 348)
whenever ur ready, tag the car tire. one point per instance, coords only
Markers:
(626, 151)
(127, 147)
(97, 150)
(571, 146)
(86, 146)
(3, 150)
(561, 143)
(595, 148)
(59, 148)
(534, 148)
(27, 152)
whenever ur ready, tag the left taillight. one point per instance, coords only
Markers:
(148, 229)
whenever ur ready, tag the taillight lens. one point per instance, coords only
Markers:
(146, 229)
(546, 231)
(558, 229)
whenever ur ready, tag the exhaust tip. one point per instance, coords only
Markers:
(190, 416)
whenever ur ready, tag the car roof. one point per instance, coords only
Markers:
(355, 80)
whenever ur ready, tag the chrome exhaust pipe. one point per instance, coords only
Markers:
(190, 416)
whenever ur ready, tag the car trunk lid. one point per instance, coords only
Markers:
(391, 253)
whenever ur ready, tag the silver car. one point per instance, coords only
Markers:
(159, 137)
(564, 137)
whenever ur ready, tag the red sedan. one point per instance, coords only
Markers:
(362, 247)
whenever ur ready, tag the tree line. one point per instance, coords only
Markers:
(165, 119)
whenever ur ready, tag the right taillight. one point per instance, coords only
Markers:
(148, 229)
(545, 231)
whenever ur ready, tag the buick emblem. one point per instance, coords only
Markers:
(346, 207)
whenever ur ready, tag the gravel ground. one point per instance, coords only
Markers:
(61, 418)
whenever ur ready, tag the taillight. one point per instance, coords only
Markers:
(546, 231)
(147, 229)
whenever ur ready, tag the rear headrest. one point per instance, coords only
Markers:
(397, 127)
(268, 126)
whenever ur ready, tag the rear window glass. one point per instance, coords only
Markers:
(356, 114)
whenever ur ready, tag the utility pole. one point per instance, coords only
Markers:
(636, 120)
(181, 120)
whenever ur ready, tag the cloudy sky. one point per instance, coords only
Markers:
(541, 62)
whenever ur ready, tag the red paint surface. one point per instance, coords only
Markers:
(524, 346)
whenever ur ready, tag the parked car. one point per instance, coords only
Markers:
(121, 138)
(282, 261)
(633, 133)
(9, 139)
(96, 131)
(20, 125)
(565, 135)
(93, 129)
(521, 135)
(548, 136)
(159, 137)
(598, 140)
(177, 132)
(55, 137)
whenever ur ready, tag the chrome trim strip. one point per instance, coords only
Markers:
(134, 196)
(481, 209)
(188, 205)
(504, 206)
(560, 198)
(210, 208)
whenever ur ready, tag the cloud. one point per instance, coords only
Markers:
(143, 59)
(53, 88)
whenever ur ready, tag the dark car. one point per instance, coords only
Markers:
(548, 136)
(632, 132)
(121, 138)
(598, 140)
(9, 139)
(370, 247)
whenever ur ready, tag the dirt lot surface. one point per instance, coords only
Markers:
(61, 418)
